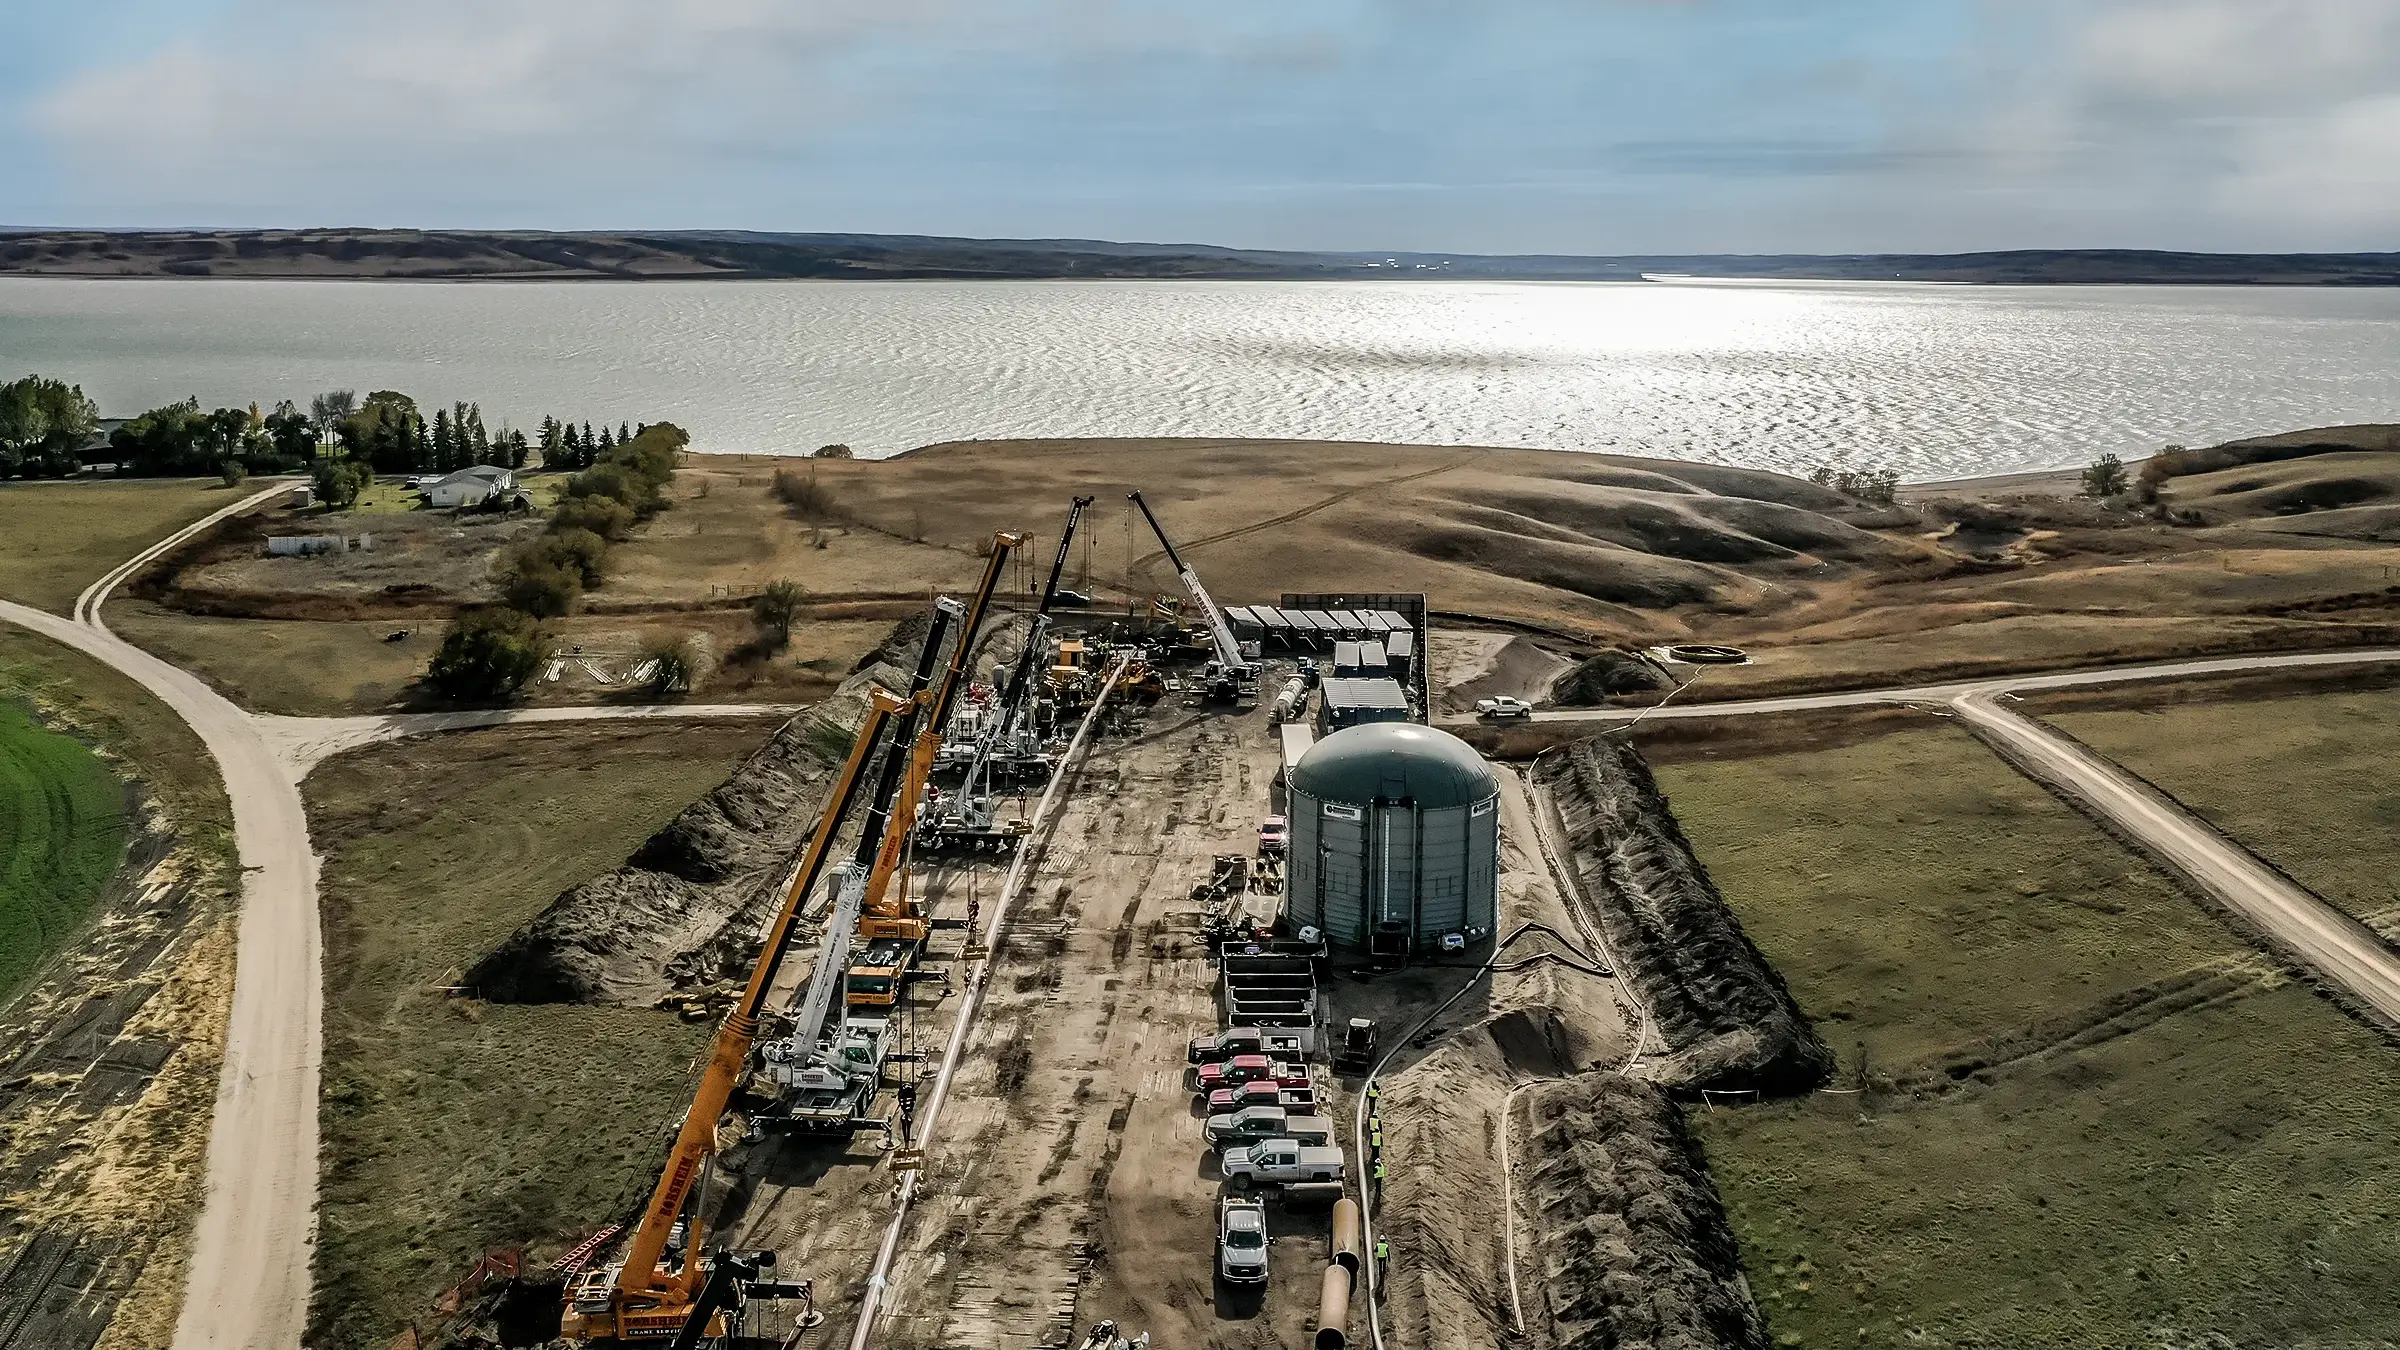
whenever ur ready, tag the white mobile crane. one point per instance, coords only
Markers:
(1232, 677)
(1007, 740)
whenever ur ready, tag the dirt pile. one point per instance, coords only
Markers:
(1611, 674)
(685, 911)
(1722, 1008)
(1629, 1237)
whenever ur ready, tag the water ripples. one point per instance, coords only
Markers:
(1934, 381)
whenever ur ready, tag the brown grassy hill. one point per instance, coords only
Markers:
(1596, 543)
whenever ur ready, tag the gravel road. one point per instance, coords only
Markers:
(2338, 947)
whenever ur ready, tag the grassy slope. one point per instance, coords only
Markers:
(2225, 1169)
(451, 1125)
(132, 727)
(2305, 781)
(62, 833)
(57, 538)
(303, 668)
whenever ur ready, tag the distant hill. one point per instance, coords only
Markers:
(471, 255)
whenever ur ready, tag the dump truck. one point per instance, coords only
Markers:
(1280, 1162)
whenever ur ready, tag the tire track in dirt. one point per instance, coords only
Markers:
(1142, 566)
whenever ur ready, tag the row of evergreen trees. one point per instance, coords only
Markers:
(390, 433)
(566, 447)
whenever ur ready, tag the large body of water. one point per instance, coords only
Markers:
(1934, 381)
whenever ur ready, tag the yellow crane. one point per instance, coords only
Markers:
(644, 1296)
(890, 925)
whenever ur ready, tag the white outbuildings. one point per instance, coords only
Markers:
(469, 486)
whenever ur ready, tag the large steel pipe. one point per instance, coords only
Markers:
(1333, 1310)
(1349, 1248)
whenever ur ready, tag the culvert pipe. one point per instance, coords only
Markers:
(1333, 1310)
(1349, 1248)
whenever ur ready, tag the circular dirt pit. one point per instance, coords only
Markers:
(1704, 654)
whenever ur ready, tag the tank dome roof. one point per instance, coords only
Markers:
(1394, 760)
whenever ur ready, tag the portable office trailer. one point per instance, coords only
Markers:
(1400, 656)
(1344, 703)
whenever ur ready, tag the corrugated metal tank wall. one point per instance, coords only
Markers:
(1353, 867)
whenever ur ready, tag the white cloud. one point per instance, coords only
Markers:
(410, 84)
(2231, 123)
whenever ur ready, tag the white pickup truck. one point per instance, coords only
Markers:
(1280, 1162)
(1257, 1124)
(1503, 707)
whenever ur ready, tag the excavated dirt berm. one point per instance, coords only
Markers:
(1631, 1241)
(685, 911)
(1725, 1013)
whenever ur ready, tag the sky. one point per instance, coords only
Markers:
(1483, 126)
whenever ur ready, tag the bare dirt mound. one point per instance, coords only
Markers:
(1620, 1239)
(1629, 1235)
(1611, 674)
(1519, 668)
(1722, 1008)
(685, 911)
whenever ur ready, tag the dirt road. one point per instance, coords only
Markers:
(1070, 1182)
(2337, 946)
(1946, 693)
(248, 1284)
(249, 1277)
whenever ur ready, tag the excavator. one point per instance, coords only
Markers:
(660, 1286)
(1007, 740)
(1232, 677)
(890, 924)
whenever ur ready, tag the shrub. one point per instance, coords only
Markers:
(2105, 478)
(488, 653)
(231, 473)
(808, 498)
(676, 664)
(835, 451)
(338, 482)
(612, 481)
(774, 611)
(571, 549)
(542, 588)
(606, 517)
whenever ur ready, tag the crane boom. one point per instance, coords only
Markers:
(1023, 674)
(1229, 652)
(641, 1297)
(885, 911)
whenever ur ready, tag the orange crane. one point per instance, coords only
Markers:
(890, 925)
(645, 1297)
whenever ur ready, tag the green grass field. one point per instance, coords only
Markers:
(2094, 1118)
(63, 827)
(57, 538)
(451, 1125)
(63, 803)
(2305, 780)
